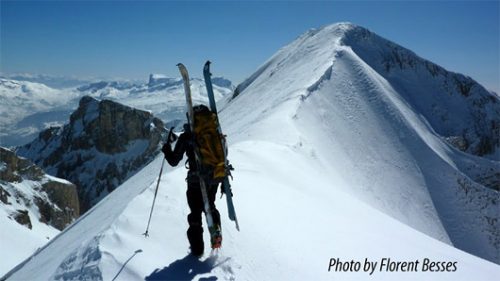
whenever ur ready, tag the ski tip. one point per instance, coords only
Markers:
(206, 68)
(180, 65)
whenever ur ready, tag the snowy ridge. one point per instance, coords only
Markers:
(332, 161)
(358, 124)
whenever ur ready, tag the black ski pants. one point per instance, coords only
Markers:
(195, 202)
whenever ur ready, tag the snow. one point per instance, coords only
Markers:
(28, 99)
(57, 82)
(333, 164)
(292, 238)
(22, 241)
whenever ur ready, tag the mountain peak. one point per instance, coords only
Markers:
(86, 100)
(324, 52)
(338, 30)
(343, 27)
(157, 79)
(344, 83)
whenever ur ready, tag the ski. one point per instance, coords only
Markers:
(225, 183)
(215, 236)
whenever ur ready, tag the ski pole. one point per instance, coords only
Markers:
(154, 199)
(171, 137)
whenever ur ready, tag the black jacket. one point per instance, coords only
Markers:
(183, 145)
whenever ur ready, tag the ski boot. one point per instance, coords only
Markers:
(216, 236)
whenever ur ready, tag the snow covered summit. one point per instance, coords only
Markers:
(390, 124)
(457, 107)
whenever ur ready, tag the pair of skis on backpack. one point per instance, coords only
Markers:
(215, 230)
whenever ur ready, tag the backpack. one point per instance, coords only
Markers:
(209, 143)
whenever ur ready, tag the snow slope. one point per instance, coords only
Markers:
(331, 162)
(23, 242)
(289, 239)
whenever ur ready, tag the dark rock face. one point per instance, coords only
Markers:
(57, 201)
(4, 195)
(66, 199)
(16, 168)
(23, 218)
(103, 145)
(110, 127)
(222, 82)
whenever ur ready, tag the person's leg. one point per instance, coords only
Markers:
(195, 230)
(212, 193)
(215, 232)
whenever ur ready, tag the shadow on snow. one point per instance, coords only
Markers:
(186, 268)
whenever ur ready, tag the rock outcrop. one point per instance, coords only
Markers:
(26, 192)
(103, 144)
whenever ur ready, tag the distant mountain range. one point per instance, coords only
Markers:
(29, 107)
(56, 82)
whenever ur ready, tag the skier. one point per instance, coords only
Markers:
(185, 144)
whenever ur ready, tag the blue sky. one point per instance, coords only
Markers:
(130, 39)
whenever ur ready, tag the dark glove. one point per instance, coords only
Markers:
(171, 136)
(167, 148)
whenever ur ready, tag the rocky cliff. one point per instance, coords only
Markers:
(27, 193)
(103, 144)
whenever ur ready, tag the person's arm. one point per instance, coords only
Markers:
(175, 156)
